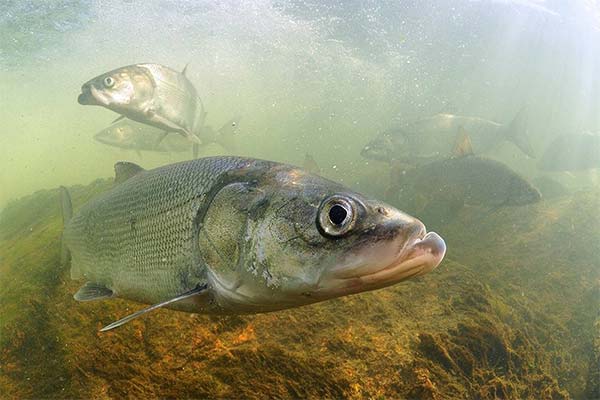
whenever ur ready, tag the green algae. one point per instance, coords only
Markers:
(497, 320)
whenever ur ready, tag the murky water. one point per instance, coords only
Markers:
(511, 312)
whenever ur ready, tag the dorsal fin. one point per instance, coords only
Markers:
(462, 146)
(125, 170)
(185, 69)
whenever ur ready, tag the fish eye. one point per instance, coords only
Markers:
(108, 81)
(337, 215)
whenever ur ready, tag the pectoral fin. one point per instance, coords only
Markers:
(199, 289)
(193, 138)
(118, 119)
(92, 291)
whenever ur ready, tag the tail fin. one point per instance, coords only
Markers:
(226, 134)
(67, 213)
(517, 133)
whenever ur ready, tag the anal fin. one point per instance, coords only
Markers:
(92, 291)
(197, 290)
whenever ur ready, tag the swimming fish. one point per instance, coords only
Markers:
(433, 138)
(152, 94)
(131, 135)
(231, 235)
(310, 164)
(572, 153)
(464, 179)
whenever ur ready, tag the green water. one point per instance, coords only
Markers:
(323, 79)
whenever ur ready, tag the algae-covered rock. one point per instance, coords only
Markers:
(509, 314)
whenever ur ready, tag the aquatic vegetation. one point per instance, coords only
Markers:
(493, 325)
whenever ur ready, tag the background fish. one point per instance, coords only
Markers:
(152, 94)
(230, 235)
(468, 180)
(131, 135)
(434, 138)
(572, 153)
(310, 164)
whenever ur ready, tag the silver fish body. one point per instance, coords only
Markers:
(258, 235)
(434, 138)
(152, 94)
(131, 135)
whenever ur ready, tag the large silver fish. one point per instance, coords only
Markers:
(229, 235)
(151, 94)
(434, 138)
(131, 135)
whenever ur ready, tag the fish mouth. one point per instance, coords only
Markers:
(88, 96)
(99, 137)
(419, 257)
(387, 264)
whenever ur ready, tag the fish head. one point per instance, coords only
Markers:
(386, 146)
(305, 239)
(118, 135)
(521, 193)
(126, 90)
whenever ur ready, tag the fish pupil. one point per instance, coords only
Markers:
(337, 214)
(108, 81)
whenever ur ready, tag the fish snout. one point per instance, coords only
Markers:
(398, 223)
(85, 96)
(429, 250)
(89, 95)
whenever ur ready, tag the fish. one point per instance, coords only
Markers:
(131, 135)
(575, 152)
(152, 94)
(430, 139)
(310, 164)
(463, 179)
(231, 235)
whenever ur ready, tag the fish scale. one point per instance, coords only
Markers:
(139, 237)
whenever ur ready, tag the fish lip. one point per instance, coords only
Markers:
(83, 99)
(418, 257)
(421, 254)
(88, 97)
(423, 249)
